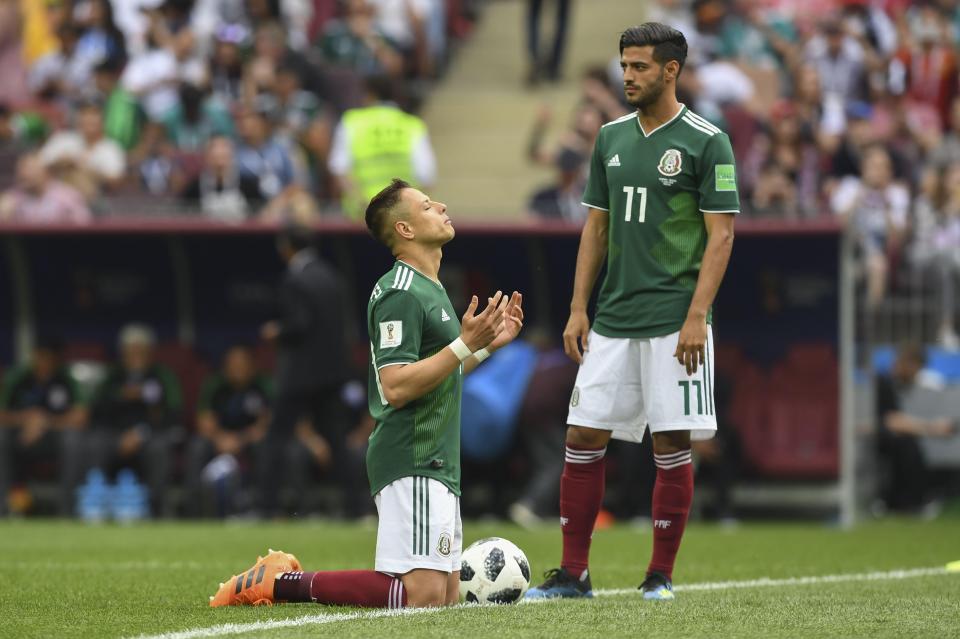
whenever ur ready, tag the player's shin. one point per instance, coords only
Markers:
(363, 588)
(581, 494)
(672, 496)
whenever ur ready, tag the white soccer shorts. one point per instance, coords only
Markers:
(627, 384)
(419, 527)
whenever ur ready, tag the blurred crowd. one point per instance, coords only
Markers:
(843, 109)
(230, 109)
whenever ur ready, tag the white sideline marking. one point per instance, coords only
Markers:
(223, 630)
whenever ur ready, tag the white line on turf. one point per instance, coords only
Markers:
(227, 629)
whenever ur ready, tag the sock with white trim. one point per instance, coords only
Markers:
(362, 588)
(581, 495)
(672, 496)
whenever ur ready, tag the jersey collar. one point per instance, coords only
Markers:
(432, 281)
(683, 107)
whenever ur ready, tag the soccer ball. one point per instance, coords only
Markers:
(493, 570)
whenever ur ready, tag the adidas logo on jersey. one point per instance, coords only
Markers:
(443, 315)
(614, 161)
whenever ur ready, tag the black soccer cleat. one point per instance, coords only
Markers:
(657, 587)
(561, 584)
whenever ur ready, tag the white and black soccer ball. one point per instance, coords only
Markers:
(493, 570)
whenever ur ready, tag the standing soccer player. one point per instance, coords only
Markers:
(662, 196)
(419, 354)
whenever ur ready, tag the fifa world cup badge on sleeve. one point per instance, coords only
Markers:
(391, 334)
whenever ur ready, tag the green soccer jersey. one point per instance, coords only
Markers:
(655, 187)
(410, 318)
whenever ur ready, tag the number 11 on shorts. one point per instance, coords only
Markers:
(685, 385)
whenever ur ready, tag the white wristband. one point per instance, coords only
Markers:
(460, 349)
(482, 354)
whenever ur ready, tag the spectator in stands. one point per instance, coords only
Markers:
(312, 338)
(562, 200)
(876, 208)
(948, 151)
(364, 159)
(221, 191)
(904, 473)
(355, 42)
(153, 74)
(842, 59)
(405, 23)
(925, 67)
(21, 130)
(100, 39)
(195, 119)
(546, 65)
(36, 198)
(42, 417)
(782, 167)
(85, 157)
(270, 52)
(62, 73)
(135, 415)
(122, 116)
(936, 242)
(263, 156)
(226, 63)
(232, 419)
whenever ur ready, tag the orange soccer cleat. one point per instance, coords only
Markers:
(255, 586)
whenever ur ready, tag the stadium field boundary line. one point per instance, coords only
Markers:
(227, 629)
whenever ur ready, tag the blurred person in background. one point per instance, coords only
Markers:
(562, 200)
(904, 474)
(782, 167)
(62, 73)
(43, 417)
(226, 63)
(948, 148)
(925, 66)
(876, 208)
(37, 198)
(354, 41)
(100, 38)
(263, 156)
(546, 65)
(935, 244)
(135, 415)
(375, 143)
(842, 60)
(220, 191)
(122, 115)
(232, 419)
(195, 119)
(84, 157)
(312, 366)
(406, 24)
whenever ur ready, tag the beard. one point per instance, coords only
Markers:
(648, 96)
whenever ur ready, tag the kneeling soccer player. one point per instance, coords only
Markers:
(419, 354)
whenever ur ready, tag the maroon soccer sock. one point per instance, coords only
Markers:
(581, 494)
(363, 588)
(672, 495)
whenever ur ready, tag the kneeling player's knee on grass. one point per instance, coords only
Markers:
(425, 588)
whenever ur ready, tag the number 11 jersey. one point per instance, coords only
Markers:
(656, 186)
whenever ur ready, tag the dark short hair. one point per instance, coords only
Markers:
(380, 208)
(668, 43)
(296, 236)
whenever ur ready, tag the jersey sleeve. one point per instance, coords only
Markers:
(596, 195)
(718, 179)
(396, 328)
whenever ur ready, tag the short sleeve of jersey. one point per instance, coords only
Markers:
(718, 179)
(596, 194)
(396, 328)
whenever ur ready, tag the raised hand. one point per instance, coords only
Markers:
(512, 322)
(478, 330)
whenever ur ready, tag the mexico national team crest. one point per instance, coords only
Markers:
(670, 163)
(443, 544)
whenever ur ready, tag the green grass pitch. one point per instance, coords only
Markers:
(70, 580)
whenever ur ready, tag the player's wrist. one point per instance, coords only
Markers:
(697, 315)
(460, 349)
(483, 354)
